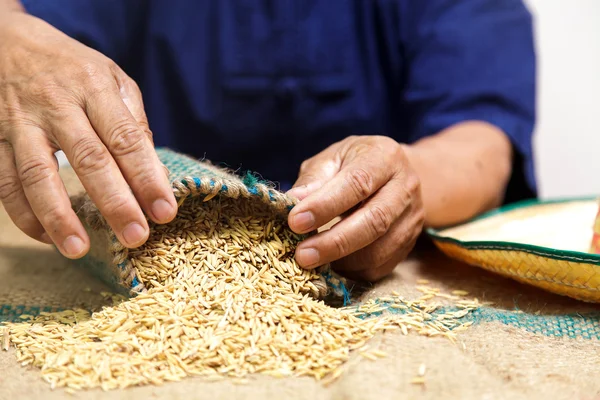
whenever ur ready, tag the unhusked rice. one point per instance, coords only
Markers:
(225, 298)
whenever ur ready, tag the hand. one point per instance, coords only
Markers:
(56, 93)
(369, 179)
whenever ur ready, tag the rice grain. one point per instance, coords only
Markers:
(225, 298)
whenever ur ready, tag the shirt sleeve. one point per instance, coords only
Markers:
(472, 60)
(109, 26)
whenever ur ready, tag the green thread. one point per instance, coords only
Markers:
(250, 180)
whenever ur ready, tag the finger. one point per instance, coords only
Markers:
(38, 172)
(314, 173)
(372, 274)
(133, 152)
(349, 187)
(101, 178)
(363, 227)
(14, 200)
(133, 100)
(395, 245)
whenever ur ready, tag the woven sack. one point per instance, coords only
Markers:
(527, 344)
(108, 259)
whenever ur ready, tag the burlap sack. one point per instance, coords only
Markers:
(109, 259)
(529, 344)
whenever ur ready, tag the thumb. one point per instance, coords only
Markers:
(314, 173)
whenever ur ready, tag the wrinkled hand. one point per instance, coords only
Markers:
(56, 93)
(367, 180)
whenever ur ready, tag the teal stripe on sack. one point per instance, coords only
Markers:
(579, 325)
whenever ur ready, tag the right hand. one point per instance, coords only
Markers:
(57, 94)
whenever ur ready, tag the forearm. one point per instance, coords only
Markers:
(463, 171)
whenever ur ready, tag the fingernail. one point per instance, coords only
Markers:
(133, 234)
(162, 210)
(73, 246)
(46, 238)
(307, 257)
(304, 221)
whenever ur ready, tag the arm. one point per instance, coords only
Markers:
(468, 90)
(469, 61)
(463, 171)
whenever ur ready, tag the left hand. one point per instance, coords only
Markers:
(368, 180)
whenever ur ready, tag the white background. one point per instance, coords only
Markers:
(567, 137)
(567, 140)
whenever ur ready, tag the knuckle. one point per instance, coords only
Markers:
(144, 181)
(404, 250)
(379, 220)
(385, 253)
(393, 152)
(404, 243)
(91, 71)
(399, 242)
(54, 218)
(113, 67)
(95, 77)
(396, 149)
(371, 259)
(409, 247)
(89, 155)
(125, 138)
(360, 182)
(420, 218)
(403, 239)
(372, 274)
(360, 147)
(377, 274)
(131, 84)
(10, 187)
(387, 143)
(34, 170)
(410, 193)
(305, 166)
(148, 132)
(341, 244)
(305, 179)
(145, 130)
(114, 203)
(413, 184)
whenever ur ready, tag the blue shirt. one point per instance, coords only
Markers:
(264, 84)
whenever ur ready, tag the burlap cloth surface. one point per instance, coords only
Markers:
(500, 359)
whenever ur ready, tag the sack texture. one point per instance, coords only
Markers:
(527, 344)
(108, 258)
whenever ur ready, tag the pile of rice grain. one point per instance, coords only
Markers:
(225, 298)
